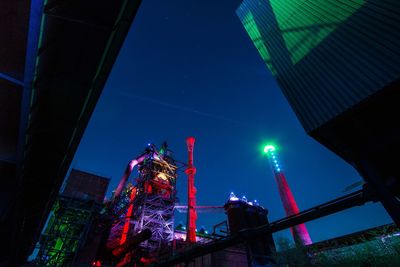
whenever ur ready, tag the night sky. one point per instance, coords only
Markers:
(189, 68)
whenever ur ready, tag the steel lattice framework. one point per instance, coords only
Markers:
(65, 231)
(155, 202)
(120, 217)
(149, 204)
(156, 213)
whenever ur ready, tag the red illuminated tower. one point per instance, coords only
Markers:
(299, 232)
(192, 216)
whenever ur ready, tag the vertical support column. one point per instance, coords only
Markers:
(192, 216)
(389, 200)
(128, 217)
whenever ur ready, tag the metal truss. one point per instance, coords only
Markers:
(67, 227)
(157, 214)
(147, 205)
(154, 205)
(119, 216)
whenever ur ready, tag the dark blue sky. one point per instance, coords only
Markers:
(189, 68)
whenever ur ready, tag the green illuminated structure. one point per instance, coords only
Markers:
(302, 24)
(68, 238)
(326, 55)
(65, 231)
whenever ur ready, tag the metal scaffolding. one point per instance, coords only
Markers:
(119, 214)
(149, 204)
(65, 232)
(155, 203)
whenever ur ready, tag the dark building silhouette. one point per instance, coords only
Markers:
(338, 64)
(86, 185)
(50, 81)
(243, 214)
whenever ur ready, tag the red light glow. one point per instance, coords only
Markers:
(128, 218)
(192, 215)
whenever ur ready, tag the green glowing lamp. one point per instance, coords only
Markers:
(269, 148)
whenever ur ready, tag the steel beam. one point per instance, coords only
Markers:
(389, 200)
(19, 207)
(11, 79)
(35, 23)
(351, 200)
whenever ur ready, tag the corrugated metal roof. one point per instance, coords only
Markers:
(327, 55)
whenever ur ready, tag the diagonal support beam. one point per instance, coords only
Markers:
(11, 79)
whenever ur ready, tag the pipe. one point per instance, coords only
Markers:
(127, 173)
(132, 243)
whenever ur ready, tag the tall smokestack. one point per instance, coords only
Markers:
(299, 232)
(192, 216)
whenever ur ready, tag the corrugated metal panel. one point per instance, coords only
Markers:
(327, 55)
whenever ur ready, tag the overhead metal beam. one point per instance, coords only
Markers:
(34, 31)
(19, 211)
(78, 20)
(11, 79)
(356, 198)
(59, 146)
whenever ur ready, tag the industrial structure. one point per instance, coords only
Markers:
(338, 65)
(50, 81)
(299, 232)
(191, 213)
(136, 226)
(64, 239)
(243, 214)
(148, 205)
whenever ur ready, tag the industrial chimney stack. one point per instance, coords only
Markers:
(299, 232)
(191, 171)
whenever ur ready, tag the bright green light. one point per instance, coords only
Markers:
(269, 148)
(302, 27)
